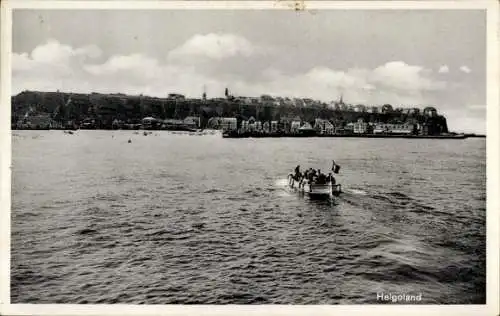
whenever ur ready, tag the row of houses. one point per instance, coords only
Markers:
(229, 124)
(320, 126)
(45, 121)
(193, 122)
(306, 102)
(361, 127)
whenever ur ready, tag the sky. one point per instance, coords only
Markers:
(405, 58)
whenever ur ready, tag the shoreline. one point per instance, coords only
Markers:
(279, 135)
(352, 136)
(276, 135)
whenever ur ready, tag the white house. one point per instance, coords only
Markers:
(323, 126)
(265, 127)
(229, 123)
(402, 129)
(274, 126)
(294, 127)
(360, 127)
(192, 121)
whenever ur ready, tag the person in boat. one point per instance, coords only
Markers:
(321, 177)
(331, 178)
(311, 175)
(303, 178)
(298, 174)
(306, 173)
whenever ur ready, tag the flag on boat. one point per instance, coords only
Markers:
(335, 167)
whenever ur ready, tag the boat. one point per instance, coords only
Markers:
(327, 188)
(315, 190)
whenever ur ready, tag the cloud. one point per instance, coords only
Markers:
(390, 83)
(54, 66)
(214, 46)
(55, 57)
(465, 69)
(137, 63)
(444, 69)
(54, 52)
(401, 76)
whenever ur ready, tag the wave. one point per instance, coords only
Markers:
(357, 191)
(281, 182)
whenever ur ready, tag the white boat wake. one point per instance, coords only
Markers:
(357, 191)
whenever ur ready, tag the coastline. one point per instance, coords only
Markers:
(283, 135)
(275, 135)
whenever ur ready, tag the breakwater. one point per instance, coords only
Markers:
(460, 136)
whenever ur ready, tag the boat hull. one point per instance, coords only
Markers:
(327, 190)
(318, 189)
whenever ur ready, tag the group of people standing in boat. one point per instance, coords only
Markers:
(314, 176)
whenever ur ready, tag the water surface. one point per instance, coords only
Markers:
(175, 218)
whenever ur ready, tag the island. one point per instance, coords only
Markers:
(236, 116)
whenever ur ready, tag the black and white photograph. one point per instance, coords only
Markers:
(283, 153)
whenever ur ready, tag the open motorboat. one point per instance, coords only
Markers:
(315, 184)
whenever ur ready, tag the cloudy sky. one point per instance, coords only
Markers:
(410, 57)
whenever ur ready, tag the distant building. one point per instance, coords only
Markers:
(266, 127)
(306, 127)
(267, 98)
(274, 126)
(39, 121)
(360, 127)
(214, 122)
(117, 124)
(250, 124)
(229, 123)
(414, 111)
(176, 96)
(349, 128)
(169, 123)
(359, 108)
(298, 102)
(430, 111)
(380, 128)
(294, 127)
(400, 129)
(244, 126)
(192, 121)
(150, 122)
(387, 108)
(307, 101)
(288, 102)
(258, 126)
(324, 127)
